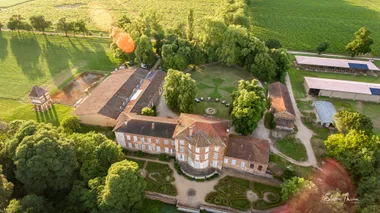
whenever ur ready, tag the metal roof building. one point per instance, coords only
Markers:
(325, 112)
(352, 90)
(336, 63)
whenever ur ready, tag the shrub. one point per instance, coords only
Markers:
(164, 157)
(241, 204)
(139, 153)
(148, 111)
(272, 198)
(71, 124)
(273, 43)
(269, 121)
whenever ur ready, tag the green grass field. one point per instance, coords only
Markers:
(101, 14)
(303, 24)
(8, 3)
(217, 81)
(49, 61)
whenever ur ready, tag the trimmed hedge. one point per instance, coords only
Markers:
(161, 179)
(242, 204)
(269, 121)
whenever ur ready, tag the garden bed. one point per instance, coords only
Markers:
(159, 178)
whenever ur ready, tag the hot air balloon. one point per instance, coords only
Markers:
(123, 40)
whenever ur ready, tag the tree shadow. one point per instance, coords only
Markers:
(27, 52)
(57, 58)
(48, 116)
(3, 47)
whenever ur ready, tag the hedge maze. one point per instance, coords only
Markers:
(160, 179)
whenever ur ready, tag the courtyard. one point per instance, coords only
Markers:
(217, 82)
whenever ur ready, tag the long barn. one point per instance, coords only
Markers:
(352, 90)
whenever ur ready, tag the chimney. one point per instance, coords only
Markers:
(152, 125)
(190, 131)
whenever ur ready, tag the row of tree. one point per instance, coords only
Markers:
(39, 23)
(49, 169)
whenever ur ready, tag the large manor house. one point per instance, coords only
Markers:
(203, 145)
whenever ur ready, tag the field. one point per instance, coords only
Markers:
(8, 3)
(367, 108)
(303, 24)
(102, 14)
(217, 81)
(50, 61)
(292, 147)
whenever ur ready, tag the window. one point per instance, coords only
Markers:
(166, 142)
(142, 139)
(136, 146)
(182, 142)
(128, 137)
(149, 140)
(189, 146)
(252, 165)
(242, 164)
(215, 163)
(197, 165)
(143, 147)
(196, 157)
(215, 155)
(206, 156)
(181, 149)
(172, 151)
(158, 149)
(216, 149)
(130, 145)
(260, 168)
(173, 142)
(157, 141)
(134, 138)
(197, 150)
(233, 162)
(166, 149)
(150, 147)
(225, 160)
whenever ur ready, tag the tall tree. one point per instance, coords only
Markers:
(346, 120)
(235, 43)
(282, 62)
(80, 26)
(322, 47)
(30, 203)
(6, 189)
(248, 106)
(264, 67)
(124, 188)
(44, 161)
(361, 43)
(71, 124)
(177, 55)
(39, 23)
(212, 32)
(292, 186)
(179, 91)
(144, 51)
(63, 26)
(190, 25)
(15, 22)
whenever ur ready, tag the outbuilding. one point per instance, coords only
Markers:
(325, 112)
(352, 90)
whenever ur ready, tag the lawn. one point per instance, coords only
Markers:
(160, 179)
(141, 163)
(217, 81)
(303, 24)
(28, 60)
(232, 192)
(8, 3)
(155, 206)
(283, 164)
(292, 147)
(101, 14)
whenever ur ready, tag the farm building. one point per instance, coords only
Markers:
(333, 64)
(127, 90)
(281, 106)
(325, 112)
(352, 90)
(40, 98)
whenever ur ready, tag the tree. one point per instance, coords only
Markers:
(292, 186)
(282, 62)
(6, 189)
(144, 51)
(39, 23)
(248, 106)
(179, 91)
(80, 26)
(1, 25)
(123, 21)
(123, 189)
(177, 55)
(71, 124)
(273, 44)
(30, 203)
(235, 41)
(264, 67)
(190, 25)
(234, 13)
(322, 47)
(361, 43)
(212, 32)
(15, 22)
(346, 120)
(63, 26)
(44, 161)
(148, 111)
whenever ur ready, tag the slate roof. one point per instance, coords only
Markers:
(248, 148)
(108, 97)
(280, 100)
(155, 84)
(325, 111)
(37, 91)
(206, 130)
(143, 125)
